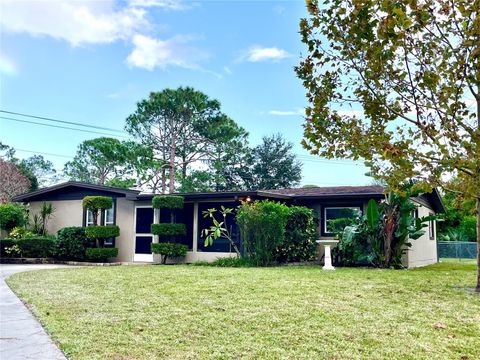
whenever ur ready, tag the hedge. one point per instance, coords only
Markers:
(36, 247)
(5, 243)
(101, 254)
(299, 243)
(97, 202)
(102, 232)
(71, 243)
(169, 250)
(168, 229)
(11, 216)
(167, 202)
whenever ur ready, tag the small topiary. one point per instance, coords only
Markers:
(101, 254)
(168, 229)
(169, 250)
(12, 216)
(71, 243)
(167, 202)
(102, 232)
(97, 202)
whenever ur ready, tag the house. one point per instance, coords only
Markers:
(132, 211)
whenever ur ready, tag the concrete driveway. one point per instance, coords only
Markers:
(21, 335)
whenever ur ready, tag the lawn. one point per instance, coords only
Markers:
(189, 312)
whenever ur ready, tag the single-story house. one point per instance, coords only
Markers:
(132, 211)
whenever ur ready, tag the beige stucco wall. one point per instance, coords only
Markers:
(70, 213)
(67, 213)
(424, 250)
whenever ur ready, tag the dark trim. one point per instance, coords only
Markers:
(345, 204)
(41, 194)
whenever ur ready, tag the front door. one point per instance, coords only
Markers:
(143, 235)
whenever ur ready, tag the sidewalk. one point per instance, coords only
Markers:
(21, 335)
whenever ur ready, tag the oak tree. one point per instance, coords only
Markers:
(396, 83)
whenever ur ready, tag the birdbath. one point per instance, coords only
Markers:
(328, 256)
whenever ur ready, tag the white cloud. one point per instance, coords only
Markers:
(7, 66)
(77, 22)
(287, 112)
(149, 53)
(165, 4)
(258, 54)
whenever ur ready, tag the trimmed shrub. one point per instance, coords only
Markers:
(168, 229)
(169, 250)
(262, 226)
(97, 202)
(101, 254)
(228, 262)
(102, 232)
(36, 247)
(12, 216)
(167, 202)
(71, 243)
(300, 236)
(4, 244)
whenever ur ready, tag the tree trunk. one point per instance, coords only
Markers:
(171, 185)
(477, 289)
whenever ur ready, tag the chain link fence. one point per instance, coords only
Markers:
(457, 250)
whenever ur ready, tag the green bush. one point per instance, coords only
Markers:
(12, 216)
(102, 232)
(97, 202)
(20, 233)
(167, 202)
(36, 247)
(168, 229)
(4, 244)
(71, 243)
(228, 262)
(262, 226)
(101, 254)
(300, 236)
(169, 250)
(468, 227)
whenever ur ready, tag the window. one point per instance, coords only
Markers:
(431, 228)
(88, 218)
(106, 218)
(330, 214)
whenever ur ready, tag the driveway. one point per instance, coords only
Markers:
(21, 335)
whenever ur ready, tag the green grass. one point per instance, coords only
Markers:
(188, 312)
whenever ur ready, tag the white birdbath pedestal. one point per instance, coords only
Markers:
(328, 254)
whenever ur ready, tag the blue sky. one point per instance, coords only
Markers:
(90, 62)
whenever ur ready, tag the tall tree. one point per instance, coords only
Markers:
(413, 68)
(98, 161)
(274, 165)
(12, 181)
(177, 124)
(38, 170)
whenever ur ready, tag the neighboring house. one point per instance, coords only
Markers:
(132, 212)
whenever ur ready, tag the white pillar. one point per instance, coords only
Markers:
(328, 258)
(195, 227)
(156, 220)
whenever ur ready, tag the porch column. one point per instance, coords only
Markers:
(156, 220)
(195, 227)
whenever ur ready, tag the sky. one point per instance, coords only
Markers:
(91, 61)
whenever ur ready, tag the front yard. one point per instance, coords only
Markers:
(187, 312)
